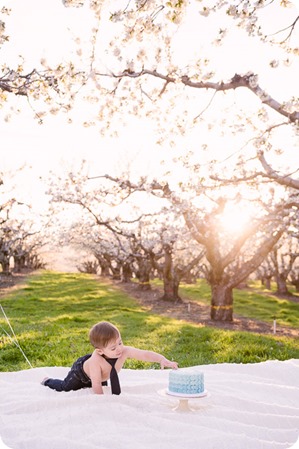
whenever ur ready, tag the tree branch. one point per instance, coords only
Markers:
(284, 180)
(249, 81)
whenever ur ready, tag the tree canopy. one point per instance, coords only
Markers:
(212, 83)
(216, 78)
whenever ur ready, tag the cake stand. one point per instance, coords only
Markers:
(183, 405)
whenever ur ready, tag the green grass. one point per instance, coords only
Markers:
(255, 302)
(51, 317)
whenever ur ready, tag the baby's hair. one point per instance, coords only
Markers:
(102, 333)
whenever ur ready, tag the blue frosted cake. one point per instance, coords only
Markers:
(186, 382)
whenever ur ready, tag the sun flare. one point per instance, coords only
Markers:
(236, 218)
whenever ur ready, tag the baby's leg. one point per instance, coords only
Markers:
(55, 384)
(75, 379)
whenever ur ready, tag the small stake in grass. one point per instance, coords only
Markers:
(274, 325)
(189, 307)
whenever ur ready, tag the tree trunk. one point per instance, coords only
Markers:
(282, 288)
(222, 303)
(116, 273)
(17, 265)
(171, 290)
(170, 280)
(144, 282)
(127, 272)
(268, 283)
(5, 265)
(144, 276)
(105, 269)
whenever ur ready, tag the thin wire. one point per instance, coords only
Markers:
(15, 340)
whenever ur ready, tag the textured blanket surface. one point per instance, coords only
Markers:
(248, 406)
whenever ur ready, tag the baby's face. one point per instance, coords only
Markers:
(114, 349)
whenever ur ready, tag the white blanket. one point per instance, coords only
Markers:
(252, 406)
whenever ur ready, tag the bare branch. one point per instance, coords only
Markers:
(284, 180)
(290, 27)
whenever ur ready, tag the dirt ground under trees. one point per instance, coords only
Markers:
(186, 310)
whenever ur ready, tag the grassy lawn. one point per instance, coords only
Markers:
(52, 314)
(250, 303)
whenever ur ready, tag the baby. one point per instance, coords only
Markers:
(93, 370)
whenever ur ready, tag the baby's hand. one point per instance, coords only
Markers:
(168, 364)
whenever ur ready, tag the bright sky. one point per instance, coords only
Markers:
(42, 29)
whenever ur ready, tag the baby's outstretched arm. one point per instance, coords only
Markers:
(149, 356)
